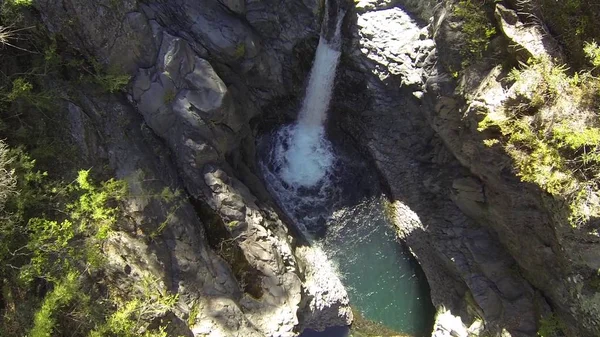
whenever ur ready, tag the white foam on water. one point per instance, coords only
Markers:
(309, 155)
(301, 160)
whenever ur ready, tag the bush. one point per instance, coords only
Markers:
(549, 326)
(476, 26)
(572, 22)
(55, 218)
(7, 177)
(553, 134)
(52, 240)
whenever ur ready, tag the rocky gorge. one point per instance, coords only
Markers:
(208, 78)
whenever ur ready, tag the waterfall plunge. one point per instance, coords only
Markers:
(299, 164)
(309, 155)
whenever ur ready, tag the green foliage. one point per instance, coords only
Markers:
(193, 315)
(240, 51)
(60, 246)
(477, 28)
(129, 317)
(169, 96)
(91, 208)
(111, 81)
(592, 52)
(54, 218)
(11, 11)
(7, 177)
(20, 2)
(52, 237)
(61, 295)
(555, 148)
(572, 23)
(549, 326)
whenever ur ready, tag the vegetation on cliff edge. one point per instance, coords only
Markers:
(55, 218)
(550, 127)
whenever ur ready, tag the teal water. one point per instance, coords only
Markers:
(383, 280)
(343, 213)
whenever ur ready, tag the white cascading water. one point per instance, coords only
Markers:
(299, 162)
(334, 199)
(309, 156)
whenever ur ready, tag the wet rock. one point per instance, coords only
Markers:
(448, 325)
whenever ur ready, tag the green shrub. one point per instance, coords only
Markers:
(54, 218)
(477, 28)
(549, 326)
(170, 96)
(7, 177)
(592, 52)
(111, 81)
(555, 148)
(571, 22)
(52, 238)
(61, 295)
(131, 316)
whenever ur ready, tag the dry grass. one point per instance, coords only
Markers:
(8, 36)
(4, 35)
(7, 176)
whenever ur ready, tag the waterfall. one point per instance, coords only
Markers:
(332, 195)
(320, 85)
(299, 162)
(309, 157)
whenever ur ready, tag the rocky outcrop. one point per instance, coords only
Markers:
(553, 256)
(164, 242)
(115, 33)
(318, 272)
(525, 41)
(490, 245)
(201, 71)
(470, 273)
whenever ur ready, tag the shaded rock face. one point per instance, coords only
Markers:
(201, 71)
(479, 231)
(555, 257)
(392, 56)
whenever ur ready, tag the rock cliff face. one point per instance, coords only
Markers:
(467, 267)
(558, 259)
(202, 72)
(492, 246)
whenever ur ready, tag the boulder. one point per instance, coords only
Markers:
(526, 41)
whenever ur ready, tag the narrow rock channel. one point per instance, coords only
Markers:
(300, 168)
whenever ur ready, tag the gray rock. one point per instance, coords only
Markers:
(185, 102)
(524, 219)
(471, 273)
(391, 39)
(197, 92)
(526, 41)
(112, 32)
(180, 260)
(327, 301)
(236, 6)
